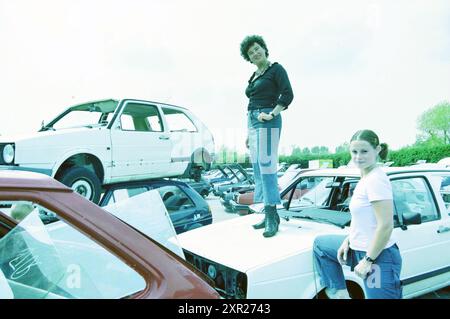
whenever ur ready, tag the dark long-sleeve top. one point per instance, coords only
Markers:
(270, 89)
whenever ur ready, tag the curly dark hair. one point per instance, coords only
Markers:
(249, 41)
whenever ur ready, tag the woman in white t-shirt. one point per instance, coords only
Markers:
(369, 249)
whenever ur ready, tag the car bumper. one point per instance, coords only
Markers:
(45, 171)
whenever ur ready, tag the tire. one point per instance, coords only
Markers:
(200, 162)
(82, 181)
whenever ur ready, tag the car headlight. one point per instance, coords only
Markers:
(212, 271)
(8, 154)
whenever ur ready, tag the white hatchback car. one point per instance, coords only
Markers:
(108, 141)
(244, 264)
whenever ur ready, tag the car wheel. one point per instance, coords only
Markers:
(200, 162)
(83, 182)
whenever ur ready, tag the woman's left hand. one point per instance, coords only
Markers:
(363, 268)
(264, 117)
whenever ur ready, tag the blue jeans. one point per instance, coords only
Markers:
(383, 282)
(264, 138)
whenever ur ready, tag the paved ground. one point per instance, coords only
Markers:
(219, 214)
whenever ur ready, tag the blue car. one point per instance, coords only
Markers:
(186, 208)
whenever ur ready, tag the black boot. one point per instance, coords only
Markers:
(272, 221)
(262, 224)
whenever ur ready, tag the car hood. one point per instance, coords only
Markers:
(33, 135)
(235, 244)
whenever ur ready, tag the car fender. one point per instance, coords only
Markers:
(106, 164)
(313, 289)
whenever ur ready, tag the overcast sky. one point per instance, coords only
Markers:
(352, 64)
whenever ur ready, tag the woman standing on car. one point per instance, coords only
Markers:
(269, 92)
(369, 249)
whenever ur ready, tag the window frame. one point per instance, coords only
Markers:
(158, 112)
(181, 112)
(430, 189)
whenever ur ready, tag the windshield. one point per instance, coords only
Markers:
(147, 213)
(239, 174)
(86, 115)
(313, 192)
(287, 178)
(56, 261)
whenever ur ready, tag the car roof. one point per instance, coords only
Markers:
(147, 101)
(145, 182)
(25, 179)
(126, 99)
(355, 172)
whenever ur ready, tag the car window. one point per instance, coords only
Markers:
(125, 193)
(56, 261)
(287, 178)
(344, 194)
(312, 192)
(146, 212)
(140, 117)
(174, 198)
(442, 182)
(239, 174)
(412, 196)
(82, 118)
(178, 121)
(91, 114)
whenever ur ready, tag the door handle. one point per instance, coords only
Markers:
(443, 229)
(163, 137)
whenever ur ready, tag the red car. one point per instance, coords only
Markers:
(55, 244)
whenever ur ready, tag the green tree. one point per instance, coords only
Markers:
(343, 148)
(306, 151)
(296, 151)
(434, 124)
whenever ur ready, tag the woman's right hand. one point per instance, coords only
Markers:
(342, 252)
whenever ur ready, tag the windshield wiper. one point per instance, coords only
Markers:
(301, 215)
(306, 199)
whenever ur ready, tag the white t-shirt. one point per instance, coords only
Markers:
(373, 187)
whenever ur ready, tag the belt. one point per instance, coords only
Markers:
(259, 107)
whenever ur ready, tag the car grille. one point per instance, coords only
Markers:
(228, 282)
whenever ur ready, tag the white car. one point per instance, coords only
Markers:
(244, 264)
(108, 141)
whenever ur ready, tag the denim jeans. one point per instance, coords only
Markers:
(264, 138)
(383, 282)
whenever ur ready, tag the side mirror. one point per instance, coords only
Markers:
(412, 219)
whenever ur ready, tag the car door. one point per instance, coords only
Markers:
(424, 247)
(183, 134)
(140, 146)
